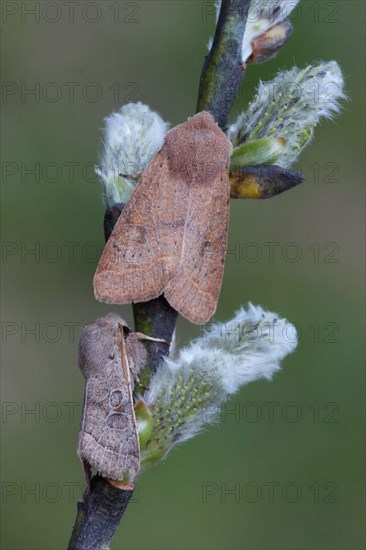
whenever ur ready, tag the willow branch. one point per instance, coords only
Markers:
(223, 69)
(155, 318)
(99, 513)
(104, 502)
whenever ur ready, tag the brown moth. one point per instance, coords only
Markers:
(171, 237)
(110, 358)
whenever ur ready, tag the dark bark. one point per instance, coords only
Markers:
(223, 69)
(155, 318)
(99, 514)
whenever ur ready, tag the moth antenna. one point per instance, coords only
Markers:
(142, 336)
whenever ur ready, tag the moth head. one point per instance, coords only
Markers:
(98, 341)
(198, 150)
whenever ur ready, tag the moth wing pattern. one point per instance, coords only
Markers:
(171, 237)
(141, 253)
(204, 160)
(195, 287)
(108, 439)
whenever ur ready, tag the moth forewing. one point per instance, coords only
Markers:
(108, 438)
(171, 237)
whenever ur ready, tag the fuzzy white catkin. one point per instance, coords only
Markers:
(290, 106)
(186, 392)
(262, 15)
(132, 137)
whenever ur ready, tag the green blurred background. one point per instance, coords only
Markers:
(153, 51)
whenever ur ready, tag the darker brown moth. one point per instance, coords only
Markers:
(110, 358)
(171, 237)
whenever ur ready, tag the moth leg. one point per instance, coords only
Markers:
(87, 472)
(140, 385)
